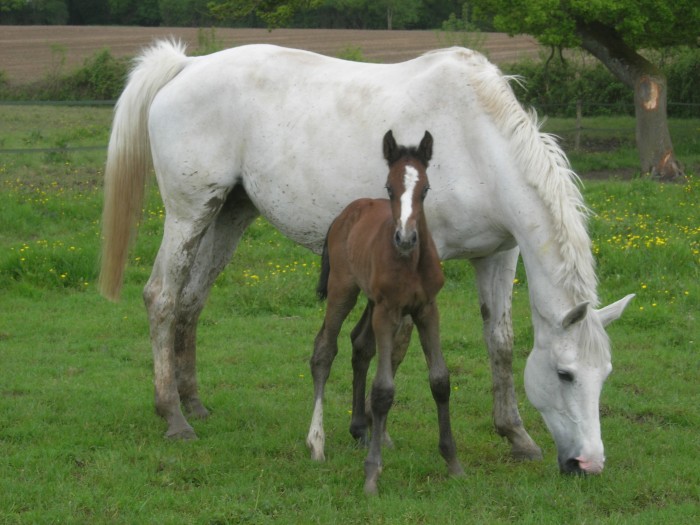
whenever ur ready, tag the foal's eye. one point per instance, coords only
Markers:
(390, 192)
(424, 192)
(565, 376)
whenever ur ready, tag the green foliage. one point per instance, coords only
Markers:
(555, 86)
(208, 42)
(640, 24)
(274, 13)
(461, 31)
(682, 70)
(353, 53)
(102, 77)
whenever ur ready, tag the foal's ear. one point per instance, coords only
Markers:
(390, 148)
(425, 149)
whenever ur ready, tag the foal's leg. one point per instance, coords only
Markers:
(341, 300)
(385, 324)
(215, 251)
(428, 324)
(494, 276)
(364, 347)
(402, 339)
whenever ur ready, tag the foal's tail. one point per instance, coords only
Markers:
(322, 287)
(129, 158)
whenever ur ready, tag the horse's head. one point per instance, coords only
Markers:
(407, 185)
(564, 376)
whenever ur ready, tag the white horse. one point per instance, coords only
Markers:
(273, 131)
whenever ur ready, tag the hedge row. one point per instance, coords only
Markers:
(554, 89)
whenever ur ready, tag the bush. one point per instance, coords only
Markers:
(555, 87)
(101, 78)
(683, 77)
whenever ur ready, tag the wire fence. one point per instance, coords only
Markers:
(544, 110)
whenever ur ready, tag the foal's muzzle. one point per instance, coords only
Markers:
(405, 242)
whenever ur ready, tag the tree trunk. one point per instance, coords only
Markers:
(389, 17)
(649, 84)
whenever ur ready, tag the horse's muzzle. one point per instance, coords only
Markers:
(581, 466)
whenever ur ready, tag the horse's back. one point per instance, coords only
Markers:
(300, 133)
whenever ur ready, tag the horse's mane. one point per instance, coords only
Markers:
(548, 171)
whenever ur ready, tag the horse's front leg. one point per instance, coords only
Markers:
(428, 324)
(385, 325)
(494, 276)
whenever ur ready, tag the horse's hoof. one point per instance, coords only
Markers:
(531, 453)
(195, 409)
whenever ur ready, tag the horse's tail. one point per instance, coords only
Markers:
(322, 287)
(129, 158)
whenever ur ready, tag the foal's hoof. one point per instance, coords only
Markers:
(181, 434)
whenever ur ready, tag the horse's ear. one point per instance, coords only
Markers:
(575, 315)
(425, 149)
(613, 311)
(390, 147)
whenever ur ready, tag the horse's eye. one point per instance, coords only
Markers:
(565, 376)
(390, 192)
(424, 192)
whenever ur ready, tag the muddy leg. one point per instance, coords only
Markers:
(495, 281)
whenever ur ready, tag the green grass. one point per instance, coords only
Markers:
(80, 442)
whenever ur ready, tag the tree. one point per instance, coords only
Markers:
(614, 32)
(275, 13)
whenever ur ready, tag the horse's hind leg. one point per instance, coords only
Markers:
(495, 282)
(427, 322)
(341, 300)
(174, 293)
(175, 258)
(215, 251)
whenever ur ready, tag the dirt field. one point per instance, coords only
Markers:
(26, 51)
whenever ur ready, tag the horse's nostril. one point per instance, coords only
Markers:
(571, 466)
(397, 238)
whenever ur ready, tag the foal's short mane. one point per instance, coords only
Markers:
(407, 152)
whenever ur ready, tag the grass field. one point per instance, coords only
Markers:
(80, 442)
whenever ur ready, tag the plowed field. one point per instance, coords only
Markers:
(29, 52)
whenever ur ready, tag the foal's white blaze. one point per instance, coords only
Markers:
(410, 178)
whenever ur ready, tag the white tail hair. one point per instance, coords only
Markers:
(129, 158)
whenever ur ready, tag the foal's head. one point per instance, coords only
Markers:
(407, 185)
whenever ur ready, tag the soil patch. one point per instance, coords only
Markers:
(29, 53)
